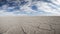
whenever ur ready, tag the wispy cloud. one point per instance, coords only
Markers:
(32, 8)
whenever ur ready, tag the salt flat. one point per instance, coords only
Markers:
(29, 24)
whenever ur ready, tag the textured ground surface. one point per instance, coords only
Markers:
(30, 25)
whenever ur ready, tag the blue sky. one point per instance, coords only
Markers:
(30, 7)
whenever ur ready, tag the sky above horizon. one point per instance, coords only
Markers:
(29, 7)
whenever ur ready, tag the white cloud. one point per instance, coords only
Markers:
(44, 6)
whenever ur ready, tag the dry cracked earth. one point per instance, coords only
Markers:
(30, 25)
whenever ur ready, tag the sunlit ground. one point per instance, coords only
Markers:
(29, 25)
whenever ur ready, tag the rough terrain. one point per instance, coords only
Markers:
(30, 25)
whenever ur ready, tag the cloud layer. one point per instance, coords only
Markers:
(30, 7)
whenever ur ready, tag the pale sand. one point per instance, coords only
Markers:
(29, 25)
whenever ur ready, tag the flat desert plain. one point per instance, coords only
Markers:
(29, 25)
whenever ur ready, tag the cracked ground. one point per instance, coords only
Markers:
(30, 25)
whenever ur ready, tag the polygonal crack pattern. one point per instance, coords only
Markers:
(30, 25)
